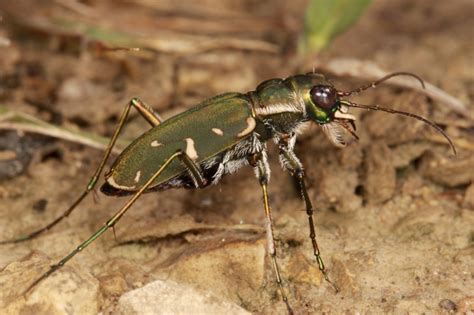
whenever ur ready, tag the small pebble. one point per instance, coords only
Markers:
(448, 305)
(40, 205)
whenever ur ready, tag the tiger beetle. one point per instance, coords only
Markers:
(196, 148)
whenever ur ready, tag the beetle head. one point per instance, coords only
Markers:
(323, 103)
(327, 108)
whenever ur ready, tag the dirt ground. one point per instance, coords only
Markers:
(395, 210)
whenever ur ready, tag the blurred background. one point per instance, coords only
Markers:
(395, 210)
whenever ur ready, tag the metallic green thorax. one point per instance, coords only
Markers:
(293, 93)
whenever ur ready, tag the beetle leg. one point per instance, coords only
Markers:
(195, 171)
(109, 224)
(146, 111)
(291, 162)
(149, 116)
(262, 171)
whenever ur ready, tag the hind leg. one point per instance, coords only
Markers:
(147, 113)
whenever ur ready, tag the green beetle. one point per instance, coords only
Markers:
(197, 147)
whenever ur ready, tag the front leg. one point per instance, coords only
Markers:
(293, 165)
(262, 171)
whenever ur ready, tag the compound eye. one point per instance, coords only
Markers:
(324, 96)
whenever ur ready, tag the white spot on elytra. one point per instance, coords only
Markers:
(155, 143)
(217, 131)
(113, 183)
(137, 177)
(250, 127)
(190, 149)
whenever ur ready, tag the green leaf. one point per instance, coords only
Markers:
(324, 19)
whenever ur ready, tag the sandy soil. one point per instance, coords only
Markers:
(395, 211)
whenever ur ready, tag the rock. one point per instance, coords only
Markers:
(466, 305)
(16, 152)
(337, 189)
(168, 297)
(68, 291)
(345, 277)
(405, 153)
(469, 197)
(448, 305)
(336, 183)
(232, 269)
(448, 171)
(380, 175)
(303, 270)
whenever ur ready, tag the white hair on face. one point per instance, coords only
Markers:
(335, 134)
